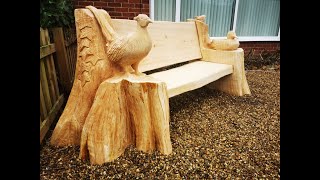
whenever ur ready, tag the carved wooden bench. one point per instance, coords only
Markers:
(107, 111)
(178, 42)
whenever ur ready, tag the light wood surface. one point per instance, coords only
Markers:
(111, 107)
(172, 42)
(127, 110)
(125, 51)
(228, 44)
(92, 68)
(192, 76)
(235, 83)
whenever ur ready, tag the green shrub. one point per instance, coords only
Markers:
(56, 13)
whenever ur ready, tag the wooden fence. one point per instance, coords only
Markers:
(51, 99)
(66, 47)
(57, 70)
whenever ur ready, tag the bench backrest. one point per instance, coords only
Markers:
(172, 42)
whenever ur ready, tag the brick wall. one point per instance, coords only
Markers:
(118, 9)
(258, 46)
(127, 9)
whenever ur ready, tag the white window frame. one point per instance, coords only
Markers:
(241, 38)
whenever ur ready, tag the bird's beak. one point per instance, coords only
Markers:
(236, 37)
(150, 21)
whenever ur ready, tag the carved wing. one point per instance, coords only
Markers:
(118, 49)
(105, 23)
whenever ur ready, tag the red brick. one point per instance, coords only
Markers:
(128, 15)
(145, 11)
(146, 6)
(121, 9)
(75, 2)
(138, 5)
(78, 6)
(114, 4)
(108, 9)
(104, 4)
(134, 1)
(122, 1)
(107, 0)
(134, 10)
(145, 1)
(127, 5)
(85, 3)
(115, 14)
(118, 17)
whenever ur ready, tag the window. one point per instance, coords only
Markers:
(253, 20)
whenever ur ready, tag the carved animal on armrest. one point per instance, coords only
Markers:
(125, 52)
(229, 44)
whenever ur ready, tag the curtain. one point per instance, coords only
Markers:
(164, 10)
(258, 18)
(219, 14)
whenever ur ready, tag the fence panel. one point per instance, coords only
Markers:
(51, 99)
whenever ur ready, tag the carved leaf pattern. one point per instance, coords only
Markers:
(85, 54)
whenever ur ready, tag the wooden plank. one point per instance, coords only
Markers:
(192, 76)
(43, 39)
(45, 86)
(70, 41)
(173, 42)
(69, 61)
(52, 114)
(50, 77)
(43, 109)
(43, 76)
(54, 75)
(47, 50)
(61, 55)
(49, 71)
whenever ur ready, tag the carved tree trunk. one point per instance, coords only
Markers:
(107, 112)
(131, 110)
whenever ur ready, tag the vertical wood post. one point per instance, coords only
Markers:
(62, 62)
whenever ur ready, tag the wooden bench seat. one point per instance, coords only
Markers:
(192, 76)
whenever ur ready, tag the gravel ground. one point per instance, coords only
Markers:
(214, 136)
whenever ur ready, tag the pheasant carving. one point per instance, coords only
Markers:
(125, 52)
(229, 44)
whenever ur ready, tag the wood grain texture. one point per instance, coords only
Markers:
(47, 50)
(235, 83)
(125, 50)
(192, 76)
(127, 110)
(45, 124)
(92, 68)
(173, 42)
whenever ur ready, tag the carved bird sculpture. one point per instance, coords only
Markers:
(231, 43)
(125, 51)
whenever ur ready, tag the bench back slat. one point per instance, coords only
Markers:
(172, 42)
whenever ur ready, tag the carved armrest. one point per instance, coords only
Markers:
(224, 52)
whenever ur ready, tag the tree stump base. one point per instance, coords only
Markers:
(127, 109)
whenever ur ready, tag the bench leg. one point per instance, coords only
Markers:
(235, 83)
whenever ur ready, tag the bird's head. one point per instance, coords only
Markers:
(231, 35)
(143, 20)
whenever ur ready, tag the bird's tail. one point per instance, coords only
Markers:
(105, 23)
